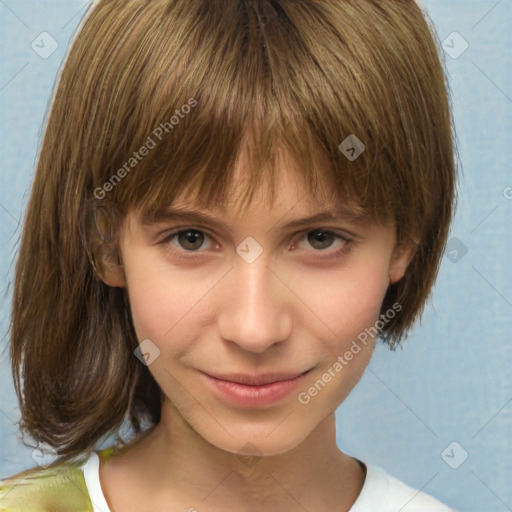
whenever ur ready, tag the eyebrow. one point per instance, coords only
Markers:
(196, 215)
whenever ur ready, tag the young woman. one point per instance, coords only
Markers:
(234, 199)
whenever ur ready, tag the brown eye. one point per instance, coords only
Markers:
(188, 244)
(325, 244)
(320, 239)
(190, 239)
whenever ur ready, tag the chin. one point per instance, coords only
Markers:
(255, 441)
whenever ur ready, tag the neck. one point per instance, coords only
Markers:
(315, 475)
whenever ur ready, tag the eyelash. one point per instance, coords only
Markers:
(322, 254)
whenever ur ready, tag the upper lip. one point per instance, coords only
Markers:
(256, 380)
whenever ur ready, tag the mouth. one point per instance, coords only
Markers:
(249, 390)
(257, 380)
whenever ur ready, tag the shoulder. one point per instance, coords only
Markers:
(58, 487)
(390, 495)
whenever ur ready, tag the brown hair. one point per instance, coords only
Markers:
(191, 82)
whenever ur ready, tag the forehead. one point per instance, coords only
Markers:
(284, 187)
(293, 208)
(290, 194)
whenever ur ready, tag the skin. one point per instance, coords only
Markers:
(289, 310)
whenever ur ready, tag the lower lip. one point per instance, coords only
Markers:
(253, 396)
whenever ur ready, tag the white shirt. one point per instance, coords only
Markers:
(380, 493)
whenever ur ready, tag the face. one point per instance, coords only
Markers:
(256, 327)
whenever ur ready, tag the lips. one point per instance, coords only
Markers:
(257, 380)
(253, 391)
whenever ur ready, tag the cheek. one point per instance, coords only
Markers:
(366, 293)
(353, 309)
(341, 302)
(164, 301)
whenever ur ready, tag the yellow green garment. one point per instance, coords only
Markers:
(59, 488)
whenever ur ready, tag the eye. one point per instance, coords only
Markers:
(318, 238)
(189, 240)
(187, 243)
(322, 239)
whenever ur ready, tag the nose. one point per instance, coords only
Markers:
(255, 311)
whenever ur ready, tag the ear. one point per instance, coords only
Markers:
(103, 248)
(111, 269)
(400, 259)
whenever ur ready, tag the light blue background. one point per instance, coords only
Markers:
(452, 380)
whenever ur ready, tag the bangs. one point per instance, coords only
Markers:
(164, 100)
(243, 81)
